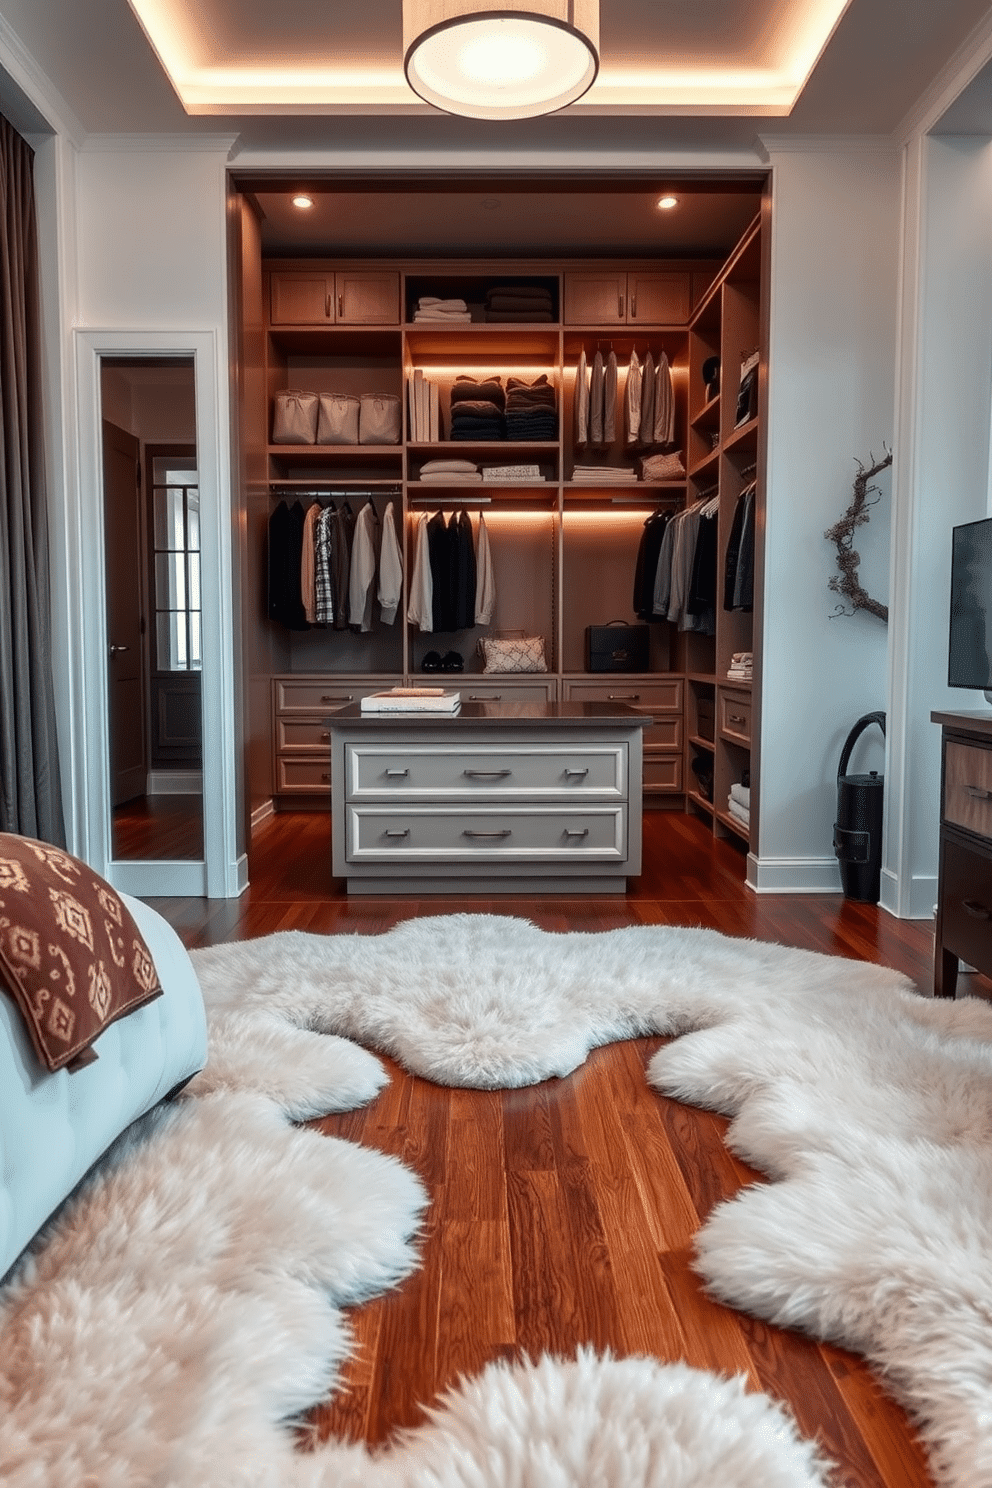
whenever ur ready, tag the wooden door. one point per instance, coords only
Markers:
(594, 299)
(302, 298)
(657, 299)
(367, 298)
(125, 626)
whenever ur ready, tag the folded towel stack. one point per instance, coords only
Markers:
(432, 307)
(519, 302)
(741, 666)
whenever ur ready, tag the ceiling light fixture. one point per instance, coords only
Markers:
(302, 201)
(666, 203)
(524, 59)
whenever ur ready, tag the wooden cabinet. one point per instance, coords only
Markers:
(301, 736)
(660, 699)
(498, 799)
(612, 297)
(333, 297)
(963, 929)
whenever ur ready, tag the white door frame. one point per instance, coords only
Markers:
(222, 874)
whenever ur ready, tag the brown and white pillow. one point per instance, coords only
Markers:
(71, 954)
(514, 654)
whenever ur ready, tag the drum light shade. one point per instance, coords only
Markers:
(514, 62)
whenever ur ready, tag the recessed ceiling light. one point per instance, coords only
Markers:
(303, 202)
(666, 203)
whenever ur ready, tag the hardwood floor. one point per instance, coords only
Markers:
(565, 1213)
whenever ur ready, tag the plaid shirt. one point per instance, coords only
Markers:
(323, 567)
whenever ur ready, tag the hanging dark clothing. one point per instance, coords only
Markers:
(465, 573)
(646, 565)
(439, 550)
(702, 583)
(344, 533)
(738, 573)
(284, 561)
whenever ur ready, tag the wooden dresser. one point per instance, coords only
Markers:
(502, 798)
(964, 890)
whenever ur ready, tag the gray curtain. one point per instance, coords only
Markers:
(30, 798)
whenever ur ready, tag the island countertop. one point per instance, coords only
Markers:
(497, 714)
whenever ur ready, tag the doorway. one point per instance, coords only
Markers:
(154, 605)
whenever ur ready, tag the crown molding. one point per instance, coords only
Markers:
(826, 144)
(952, 79)
(165, 144)
(37, 87)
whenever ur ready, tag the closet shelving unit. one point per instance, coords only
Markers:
(725, 457)
(564, 551)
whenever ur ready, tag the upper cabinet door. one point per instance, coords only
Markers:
(657, 299)
(312, 298)
(302, 298)
(595, 299)
(367, 298)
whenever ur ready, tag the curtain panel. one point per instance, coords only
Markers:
(30, 796)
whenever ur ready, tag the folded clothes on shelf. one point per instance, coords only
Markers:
(738, 812)
(662, 467)
(605, 475)
(742, 795)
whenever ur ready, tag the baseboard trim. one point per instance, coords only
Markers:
(260, 814)
(166, 879)
(174, 783)
(793, 875)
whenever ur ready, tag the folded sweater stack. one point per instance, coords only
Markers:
(531, 409)
(477, 409)
(450, 473)
(527, 303)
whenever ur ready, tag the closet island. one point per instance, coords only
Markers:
(499, 798)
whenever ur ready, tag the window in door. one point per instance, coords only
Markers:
(176, 563)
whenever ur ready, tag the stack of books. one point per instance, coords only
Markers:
(412, 700)
(424, 411)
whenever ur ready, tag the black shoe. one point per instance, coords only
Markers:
(452, 661)
(431, 662)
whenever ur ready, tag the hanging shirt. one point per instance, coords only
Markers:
(362, 571)
(632, 398)
(581, 400)
(485, 578)
(664, 403)
(646, 429)
(390, 568)
(306, 561)
(323, 567)
(596, 390)
(344, 528)
(420, 609)
(610, 398)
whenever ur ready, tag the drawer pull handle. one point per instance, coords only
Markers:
(397, 774)
(330, 698)
(469, 833)
(736, 718)
(976, 910)
(326, 775)
(580, 773)
(977, 793)
(326, 734)
(485, 697)
(397, 832)
(576, 832)
(623, 697)
(487, 774)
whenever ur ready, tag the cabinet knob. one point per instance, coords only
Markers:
(326, 775)
(326, 734)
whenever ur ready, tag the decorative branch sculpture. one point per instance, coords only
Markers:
(847, 582)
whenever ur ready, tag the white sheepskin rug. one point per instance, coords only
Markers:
(869, 1106)
(183, 1307)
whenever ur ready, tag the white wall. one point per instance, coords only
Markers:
(942, 478)
(832, 348)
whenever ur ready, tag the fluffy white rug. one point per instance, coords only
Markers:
(870, 1106)
(183, 1306)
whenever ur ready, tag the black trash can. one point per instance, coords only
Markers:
(858, 828)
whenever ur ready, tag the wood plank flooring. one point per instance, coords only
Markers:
(564, 1214)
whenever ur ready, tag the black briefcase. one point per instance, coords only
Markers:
(617, 647)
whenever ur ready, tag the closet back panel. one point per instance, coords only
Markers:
(599, 557)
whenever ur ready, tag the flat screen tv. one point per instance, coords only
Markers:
(970, 645)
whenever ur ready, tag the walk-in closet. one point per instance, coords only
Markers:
(570, 440)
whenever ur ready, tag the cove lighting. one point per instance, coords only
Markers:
(516, 62)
